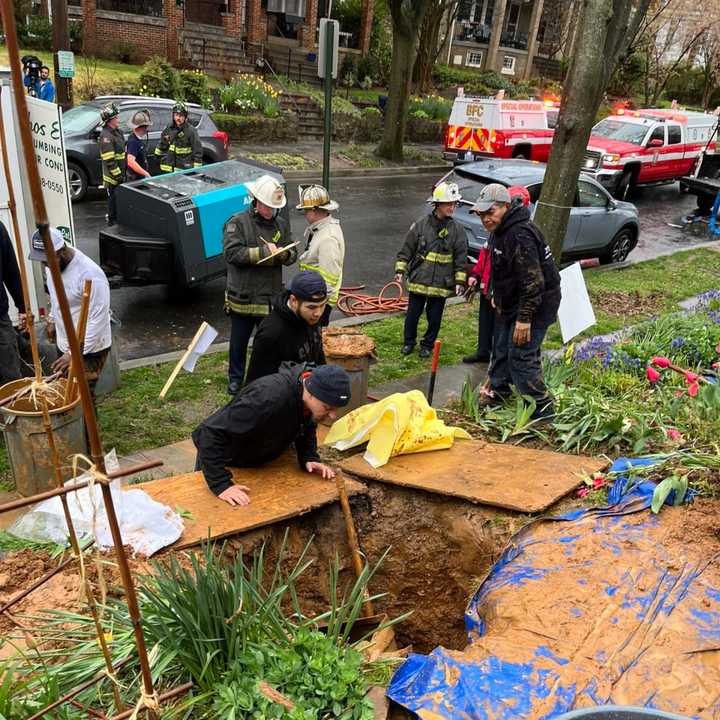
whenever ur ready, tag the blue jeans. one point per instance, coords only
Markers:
(519, 365)
(434, 307)
(241, 328)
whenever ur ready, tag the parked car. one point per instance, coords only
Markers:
(81, 130)
(599, 226)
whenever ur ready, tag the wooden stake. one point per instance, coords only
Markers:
(368, 610)
(41, 218)
(29, 317)
(182, 360)
(82, 325)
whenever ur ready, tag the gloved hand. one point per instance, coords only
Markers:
(459, 290)
(398, 277)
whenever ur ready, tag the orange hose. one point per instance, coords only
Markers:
(353, 302)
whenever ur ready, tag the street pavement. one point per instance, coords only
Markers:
(375, 213)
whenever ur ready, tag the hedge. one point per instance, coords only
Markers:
(256, 128)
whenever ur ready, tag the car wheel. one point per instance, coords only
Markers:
(625, 185)
(78, 180)
(619, 248)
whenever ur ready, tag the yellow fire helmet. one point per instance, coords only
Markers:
(445, 192)
(315, 196)
(268, 191)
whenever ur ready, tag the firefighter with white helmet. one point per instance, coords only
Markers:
(136, 148)
(324, 241)
(112, 155)
(432, 262)
(249, 238)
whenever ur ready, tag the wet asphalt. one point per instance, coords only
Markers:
(375, 213)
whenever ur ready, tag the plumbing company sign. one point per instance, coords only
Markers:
(46, 125)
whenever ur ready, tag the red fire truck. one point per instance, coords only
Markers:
(479, 127)
(642, 147)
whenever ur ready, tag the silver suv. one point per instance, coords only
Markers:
(81, 130)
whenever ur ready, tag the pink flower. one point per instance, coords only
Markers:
(716, 366)
(661, 362)
(583, 491)
(598, 482)
(693, 389)
(652, 375)
(674, 435)
(678, 393)
(691, 377)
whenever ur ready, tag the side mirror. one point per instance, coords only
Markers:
(95, 133)
(656, 142)
(611, 205)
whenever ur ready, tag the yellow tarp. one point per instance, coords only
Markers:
(400, 424)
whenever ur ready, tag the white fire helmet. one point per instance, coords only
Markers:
(315, 196)
(268, 191)
(445, 192)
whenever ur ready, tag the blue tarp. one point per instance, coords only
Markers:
(590, 608)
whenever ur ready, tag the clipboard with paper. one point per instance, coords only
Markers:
(279, 251)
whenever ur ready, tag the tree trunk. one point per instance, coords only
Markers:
(605, 29)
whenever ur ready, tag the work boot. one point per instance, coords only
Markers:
(424, 352)
(476, 357)
(406, 349)
(234, 387)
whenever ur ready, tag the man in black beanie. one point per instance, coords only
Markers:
(292, 331)
(264, 419)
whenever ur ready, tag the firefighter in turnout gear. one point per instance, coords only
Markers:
(325, 243)
(179, 147)
(112, 155)
(432, 261)
(253, 280)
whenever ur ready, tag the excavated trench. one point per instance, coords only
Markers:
(440, 549)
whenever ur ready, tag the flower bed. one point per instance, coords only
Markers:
(256, 128)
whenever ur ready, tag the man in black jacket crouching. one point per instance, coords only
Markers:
(264, 419)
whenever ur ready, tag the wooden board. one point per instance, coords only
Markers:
(278, 491)
(505, 476)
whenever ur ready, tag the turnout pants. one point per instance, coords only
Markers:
(434, 307)
(112, 204)
(9, 353)
(241, 328)
(519, 365)
(486, 325)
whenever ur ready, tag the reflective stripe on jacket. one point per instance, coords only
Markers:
(179, 148)
(112, 155)
(325, 254)
(433, 257)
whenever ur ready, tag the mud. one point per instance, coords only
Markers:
(624, 304)
(347, 343)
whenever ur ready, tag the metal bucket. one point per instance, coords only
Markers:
(27, 442)
(619, 712)
(352, 351)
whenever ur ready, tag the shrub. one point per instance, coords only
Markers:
(432, 107)
(158, 78)
(124, 52)
(372, 111)
(478, 83)
(421, 114)
(367, 68)
(194, 87)
(36, 34)
(366, 83)
(348, 66)
(76, 36)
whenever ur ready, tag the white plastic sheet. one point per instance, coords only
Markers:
(576, 311)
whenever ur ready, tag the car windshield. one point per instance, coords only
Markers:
(619, 130)
(80, 118)
(469, 185)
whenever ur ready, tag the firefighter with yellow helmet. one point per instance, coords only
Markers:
(249, 239)
(112, 155)
(324, 242)
(432, 262)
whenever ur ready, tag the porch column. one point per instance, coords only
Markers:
(495, 33)
(256, 22)
(175, 19)
(532, 36)
(309, 28)
(366, 21)
(89, 8)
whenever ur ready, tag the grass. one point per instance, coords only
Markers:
(133, 418)
(286, 161)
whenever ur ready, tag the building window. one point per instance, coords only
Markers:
(508, 66)
(474, 59)
(457, 59)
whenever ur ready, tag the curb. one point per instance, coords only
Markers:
(175, 355)
(366, 172)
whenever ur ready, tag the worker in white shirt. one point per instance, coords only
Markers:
(76, 268)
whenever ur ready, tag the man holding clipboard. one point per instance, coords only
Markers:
(256, 244)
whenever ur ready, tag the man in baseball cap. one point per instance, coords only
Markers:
(261, 422)
(292, 332)
(37, 246)
(525, 292)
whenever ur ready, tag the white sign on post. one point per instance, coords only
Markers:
(66, 64)
(46, 125)
(576, 311)
(327, 25)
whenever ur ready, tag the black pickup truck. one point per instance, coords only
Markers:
(704, 183)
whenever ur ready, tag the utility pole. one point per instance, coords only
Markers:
(327, 70)
(61, 41)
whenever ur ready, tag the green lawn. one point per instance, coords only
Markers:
(134, 418)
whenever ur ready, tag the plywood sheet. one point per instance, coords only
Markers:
(278, 491)
(505, 476)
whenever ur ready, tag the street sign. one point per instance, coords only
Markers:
(331, 28)
(46, 126)
(66, 64)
